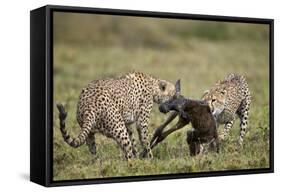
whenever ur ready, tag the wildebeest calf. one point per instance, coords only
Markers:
(199, 114)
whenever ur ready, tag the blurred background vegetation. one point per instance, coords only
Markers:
(89, 46)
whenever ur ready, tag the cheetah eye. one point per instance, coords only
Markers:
(223, 92)
(162, 86)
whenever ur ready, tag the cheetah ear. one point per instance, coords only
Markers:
(205, 93)
(162, 85)
(178, 86)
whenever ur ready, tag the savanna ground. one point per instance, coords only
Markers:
(88, 47)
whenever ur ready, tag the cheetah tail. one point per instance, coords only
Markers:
(73, 142)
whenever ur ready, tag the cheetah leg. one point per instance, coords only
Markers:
(227, 128)
(132, 138)
(158, 133)
(91, 143)
(142, 124)
(243, 115)
(121, 136)
(143, 137)
(142, 128)
(114, 127)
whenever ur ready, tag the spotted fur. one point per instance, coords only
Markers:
(229, 98)
(111, 106)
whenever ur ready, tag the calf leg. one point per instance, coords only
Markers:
(180, 124)
(158, 131)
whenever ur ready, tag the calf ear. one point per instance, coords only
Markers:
(178, 86)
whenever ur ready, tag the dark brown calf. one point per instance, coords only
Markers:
(199, 114)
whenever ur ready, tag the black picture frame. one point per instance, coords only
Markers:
(41, 93)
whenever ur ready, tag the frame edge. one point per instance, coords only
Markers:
(37, 96)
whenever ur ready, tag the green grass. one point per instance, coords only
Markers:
(198, 53)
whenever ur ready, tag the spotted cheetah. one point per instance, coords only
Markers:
(227, 98)
(111, 106)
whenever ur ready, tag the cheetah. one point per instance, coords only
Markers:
(111, 106)
(228, 98)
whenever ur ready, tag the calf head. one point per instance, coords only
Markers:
(177, 104)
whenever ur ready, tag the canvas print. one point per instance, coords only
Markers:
(140, 96)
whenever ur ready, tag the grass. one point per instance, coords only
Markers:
(199, 53)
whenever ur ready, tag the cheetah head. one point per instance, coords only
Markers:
(166, 91)
(216, 100)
